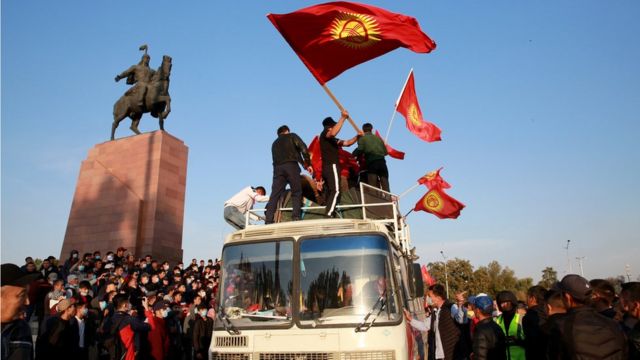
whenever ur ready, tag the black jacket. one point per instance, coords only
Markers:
(584, 334)
(535, 341)
(289, 148)
(202, 331)
(16, 341)
(489, 341)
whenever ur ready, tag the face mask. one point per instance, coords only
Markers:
(81, 268)
(103, 305)
(202, 294)
(165, 313)
(166, 267)
(75, 256)
(429, 301)
(177, 272)
(84, 292)
(85, 312)
(203, 313)
(110, 257)
(97, 257)
(189, 281)
(143, 265)
(210, 286)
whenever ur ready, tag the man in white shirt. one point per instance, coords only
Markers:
(236, 207)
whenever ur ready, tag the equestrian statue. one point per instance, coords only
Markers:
(149, 93)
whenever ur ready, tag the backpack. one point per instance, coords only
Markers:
(114, 344)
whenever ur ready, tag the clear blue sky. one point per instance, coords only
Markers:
(538, 103)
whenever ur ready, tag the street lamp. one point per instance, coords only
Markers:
(569, 269)
(446, 275)
(580, 259)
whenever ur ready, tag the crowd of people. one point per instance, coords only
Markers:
(111, 306)
(576, 319)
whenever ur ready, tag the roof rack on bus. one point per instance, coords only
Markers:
(368, 205)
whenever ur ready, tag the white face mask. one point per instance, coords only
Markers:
(429, 301)
(165, 313)
(103, 305)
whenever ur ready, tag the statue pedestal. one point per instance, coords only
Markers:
(130, 193)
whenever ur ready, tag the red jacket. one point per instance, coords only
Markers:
(158, 337)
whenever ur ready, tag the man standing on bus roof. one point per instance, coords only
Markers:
(237, 207)
(287, 151)
(330, 149)
(374, 151)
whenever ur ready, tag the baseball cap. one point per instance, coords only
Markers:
(483, 303)
(159, 305)
(328, 122)
(64, 304)
(12, 275)
(576, 286)
(472, 298)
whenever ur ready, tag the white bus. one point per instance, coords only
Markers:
(324, 289)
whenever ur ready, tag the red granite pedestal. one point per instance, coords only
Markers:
(130, 193)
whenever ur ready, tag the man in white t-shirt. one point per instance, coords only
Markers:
(236, 207)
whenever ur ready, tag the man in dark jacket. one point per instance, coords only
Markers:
(202, 331)
(630, 301)
(123, 328)
(374, 151)
(16, 333)
(533, 321)
(58, 340)
(583, 333)
(287, 151)
(488, 339)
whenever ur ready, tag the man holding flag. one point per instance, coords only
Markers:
(330, 148)
(374, 151)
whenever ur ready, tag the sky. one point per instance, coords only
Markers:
(537, 102)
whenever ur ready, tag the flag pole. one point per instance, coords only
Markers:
(407, 214)
(409, 190)
(335, 100)
(395, 108)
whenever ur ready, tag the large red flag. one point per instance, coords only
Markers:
(437, 202)
(333, 37)
(396, 154)
(433, 180)
(409, 108)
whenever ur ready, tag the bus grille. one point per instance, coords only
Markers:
(297, 356)
(231, 341)
(230, 356)
(368, 355)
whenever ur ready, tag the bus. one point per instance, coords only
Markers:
(320, 289)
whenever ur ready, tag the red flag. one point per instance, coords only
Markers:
(409, 108)
(396, 154)
(348, 164)
(333, 37)
(437, 202)
(316, 157)
(433, 180)
(426, 277)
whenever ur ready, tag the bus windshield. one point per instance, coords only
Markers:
(257, 283)
(342, 279)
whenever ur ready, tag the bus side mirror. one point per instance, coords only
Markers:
(418, 284)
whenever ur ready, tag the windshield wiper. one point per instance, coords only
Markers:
(364, 325)
(226, 322)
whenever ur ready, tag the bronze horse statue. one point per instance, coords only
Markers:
(156, 100)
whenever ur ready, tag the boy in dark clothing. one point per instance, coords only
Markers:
(58, 339)
(124, 328)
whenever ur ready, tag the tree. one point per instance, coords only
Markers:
(549, 277)
(459, 274)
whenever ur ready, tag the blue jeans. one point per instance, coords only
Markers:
(234, 217)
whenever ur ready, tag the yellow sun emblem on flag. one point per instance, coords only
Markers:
(355, 30)
(432, 201)
(414, 115)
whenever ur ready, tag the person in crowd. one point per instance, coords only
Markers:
(603, 294)
(374, 151)
(444, 340)
(330, 149)
(84, 329)
(489, 342)
(583, 333)
(287, 151)
(236, 208)
(158, 337)
(58, 339)
(533, 321)
(122, 327)
(16, 333)
(630, 302)
(511, 324)
(202, 331)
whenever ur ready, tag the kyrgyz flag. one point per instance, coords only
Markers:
(439, 204)
(396, 154)
(316, 157)
(333, 37)
(409, 108)
(426, 277)
(433, 180)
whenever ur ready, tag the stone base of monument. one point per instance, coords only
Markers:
(130, 194)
